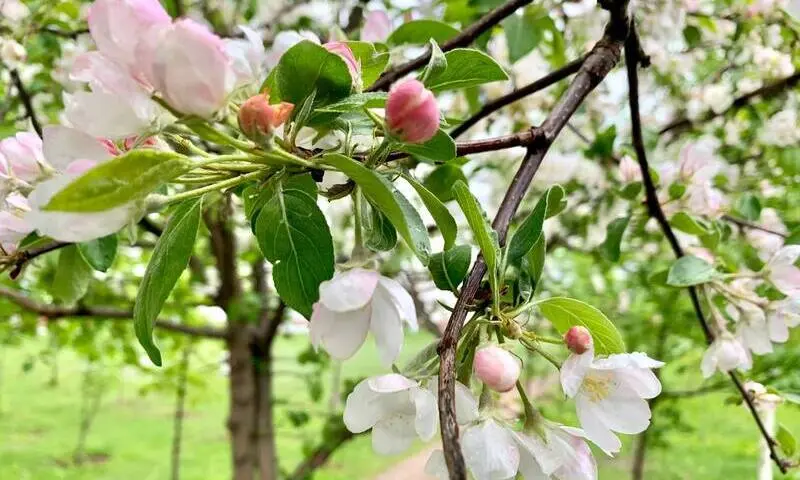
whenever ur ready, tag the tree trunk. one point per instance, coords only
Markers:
(267, 450)
(637, 471)
(180, 409)
(91, 395)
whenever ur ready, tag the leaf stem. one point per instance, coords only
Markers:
(215, 186)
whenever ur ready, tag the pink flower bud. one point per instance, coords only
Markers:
(411, 112)
(578, 339)
(629, 170)
(257, 118)
(23, 156)
(341, 49)
(497, 368)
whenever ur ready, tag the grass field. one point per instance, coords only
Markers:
(131, 435)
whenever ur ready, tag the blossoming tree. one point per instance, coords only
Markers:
(333, 160)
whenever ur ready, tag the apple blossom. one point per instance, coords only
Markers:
(397, 409)
(23, 156)
(767, 243)
(725, 354)
(497, 368)
(610, 394)
(355, 302)
(13, 10)
(353, 65)
(412, 113)
(377, 26)
(248, 57)
(781, 316)
(578, 339)
(13, 226)
(258, 118)
(188, 65)
(107, 114)
(11, 52)
(284, 41)
(782, 272)
(629, 170)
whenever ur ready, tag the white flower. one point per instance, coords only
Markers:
(781, 129)
(11, 52)
(781, 316)
(610, 394)
(782, 272)
(752, 329)
(248, 57)
(629, 170)
(725, 354)
(286, 40)
(765, 242)
(13, 10)
(397, 409)
(355, 302)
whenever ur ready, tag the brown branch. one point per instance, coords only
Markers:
(466, 37)
(27, 101)
(518, 94)
(599, 62)
(20, 259)
(753, 226)
(654, 208)
(56, 312)
(320, 455)
(65, 33)
(766, 91)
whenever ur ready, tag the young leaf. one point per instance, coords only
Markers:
(786, 441)
(686, 223)
(381, 235)
(72, 276)
(485, 236)
(449, 268)
(690, 270)
(356, 102)
(749, 207)
(118, 181)
(564, 313)
(438, 149)
(421, 31)
(307, 67)
(436, 65)
(533, 263)
(523, 239)
(170, 258)
(440, 181)
(294, 236)
(391, 203)
(522, 36)
(441, 215)
(100, 253)
(373, 59)
(556, 201)
(466, 68)
(614, 233)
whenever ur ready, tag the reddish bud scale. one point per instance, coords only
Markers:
(258, 119)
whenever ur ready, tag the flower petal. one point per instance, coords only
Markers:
(786, 279)
(340, 334)
(620, 412)
(641, 380)
(490, 452)
(348, 290)
(391, 383)
(595, 429)
(427, 415)
(402, 299)
(362, 408)
(64, 145)
(386, 326)
(393, 434)
(573, 370)
(436, 466)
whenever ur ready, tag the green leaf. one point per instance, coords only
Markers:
(691, 270)
(421, 31)
(522, 240)
(441, 215)
(564, 313)
(438, 149)
(614, 233)
(631, 191)
(307, 67)
(373, 62)
(556, 201)
(441, 180)
(436, 65)
(786, 441)
(749, 207)
(381, 235)
(449, 268)
(72, 277)
(356, 102)
(170, 258)
(686, 223)
(533, 263)
(100, 253)
(118, 181)
(485, 236)
(294, 236)
(603, 145)
(522, 36)
(392, 203)
(465, 68)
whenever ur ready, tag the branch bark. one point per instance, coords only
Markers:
(605, 54)
(27, 101)
(466, 37)
(753, 226)
(320, 455)
(180, 411)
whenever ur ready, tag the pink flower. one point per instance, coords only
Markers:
(377, 26)
(353, 65)
(21, 156)
(725, 354)
(117, 27)
(188, 65)
(497, 368)
(783, 274)
(629, 170)
(257, 118)
(13, 226)
(412, 113)
(578, 340)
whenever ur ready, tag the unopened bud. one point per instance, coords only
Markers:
(498, 369)
(258, 119)
(578, 339)
(412, 113)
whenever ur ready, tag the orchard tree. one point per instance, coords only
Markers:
(318, 150)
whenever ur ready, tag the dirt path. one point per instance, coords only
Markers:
(413, 467)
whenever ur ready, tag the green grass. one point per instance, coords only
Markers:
(39, 425)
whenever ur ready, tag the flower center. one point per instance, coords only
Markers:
(597, 386)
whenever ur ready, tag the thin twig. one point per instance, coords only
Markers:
(654, 208)
(753, 226)
(320, 455)
(466, 37)
(27, 102)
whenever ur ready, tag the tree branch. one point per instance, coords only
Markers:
(518, 94)
(766, 91)
(54, 312)
(27, 102)
(466, 37)
(654, 208)
(599, 62)
(753, 226)
(320, 455)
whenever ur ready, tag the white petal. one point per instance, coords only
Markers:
(64, 145)
(573, 370)
(427, 416)
(391, 383)
(402, 299)
(349, 290)
(362, 408)
(620, 412)
(340, 334)
(641, 380)
(393, 434)
(536, 458)
(104, 115)
(620, 360)
(436, 465)
(490, 452)
(595, 429)
(786, 256)
(466, 404)
(786, 279)
(386, 326)
(709, 364)
(778, 329)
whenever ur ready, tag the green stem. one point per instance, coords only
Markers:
(358, 247)
(535, 348)
(281, 154)
(215, 187)
(532, 416)
(377, 156)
